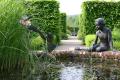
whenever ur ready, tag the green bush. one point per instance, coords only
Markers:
(92, 10)
(14, 41)
(115, 34)
(89, 39)
(73, 29)
(80, 35)
(37, 43)
(116, 45)
(116, 38)
(68, 32)
(45, 15)
(64, 36)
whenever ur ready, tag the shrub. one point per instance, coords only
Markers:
(64, 35)
(80, 35)
(116, 38)
(68, 32)
(37, 43)
(92, 10)
(73, 29)
(115, 34)
(89, 39)
(116, 45)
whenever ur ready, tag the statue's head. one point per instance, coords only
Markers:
(100, 23)
(25, 20)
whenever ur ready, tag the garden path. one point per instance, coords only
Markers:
(69, 45)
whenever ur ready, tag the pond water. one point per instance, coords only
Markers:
(72, 73)
(83, 70)
(90, 71)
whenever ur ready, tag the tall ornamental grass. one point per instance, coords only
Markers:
(13, 38)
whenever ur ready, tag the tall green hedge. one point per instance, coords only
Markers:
(92, 10)
(45, 15)
(63, 25)
(63, 22)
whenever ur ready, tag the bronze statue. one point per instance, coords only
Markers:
(104, 35)
(25, 21)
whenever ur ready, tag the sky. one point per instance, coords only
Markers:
(70, 7)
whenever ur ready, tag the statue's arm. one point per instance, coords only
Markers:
(96, 39)
(110, 39)
(35, 29)
(27, 24)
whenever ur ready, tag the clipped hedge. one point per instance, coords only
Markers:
(63, 26)
(63, 22)
(45, 15)
(93, 10)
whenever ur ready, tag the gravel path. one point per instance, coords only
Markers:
(69, 44)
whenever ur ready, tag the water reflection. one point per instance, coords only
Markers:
(86, 71)
(71, 73)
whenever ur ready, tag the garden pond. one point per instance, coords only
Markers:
(86, 69)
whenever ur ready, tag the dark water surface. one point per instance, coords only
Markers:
(88, 69)
(91, 70)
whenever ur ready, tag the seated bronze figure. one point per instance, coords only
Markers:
(104, 35)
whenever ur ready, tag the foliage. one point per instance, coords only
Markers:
(40, 0)
(14, 40)
(80, 35)
(115, 34)
(37, 43)
(73, 23)
(89, 39)
(63, 22)
(116, 38)
(92, 10)
(73, 29)
(73, 20)
(63, 26)
(116, 44)
(64, 36)
(49, 71)
(68, 32)
(45, 15)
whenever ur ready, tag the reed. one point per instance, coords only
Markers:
(14, 39)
